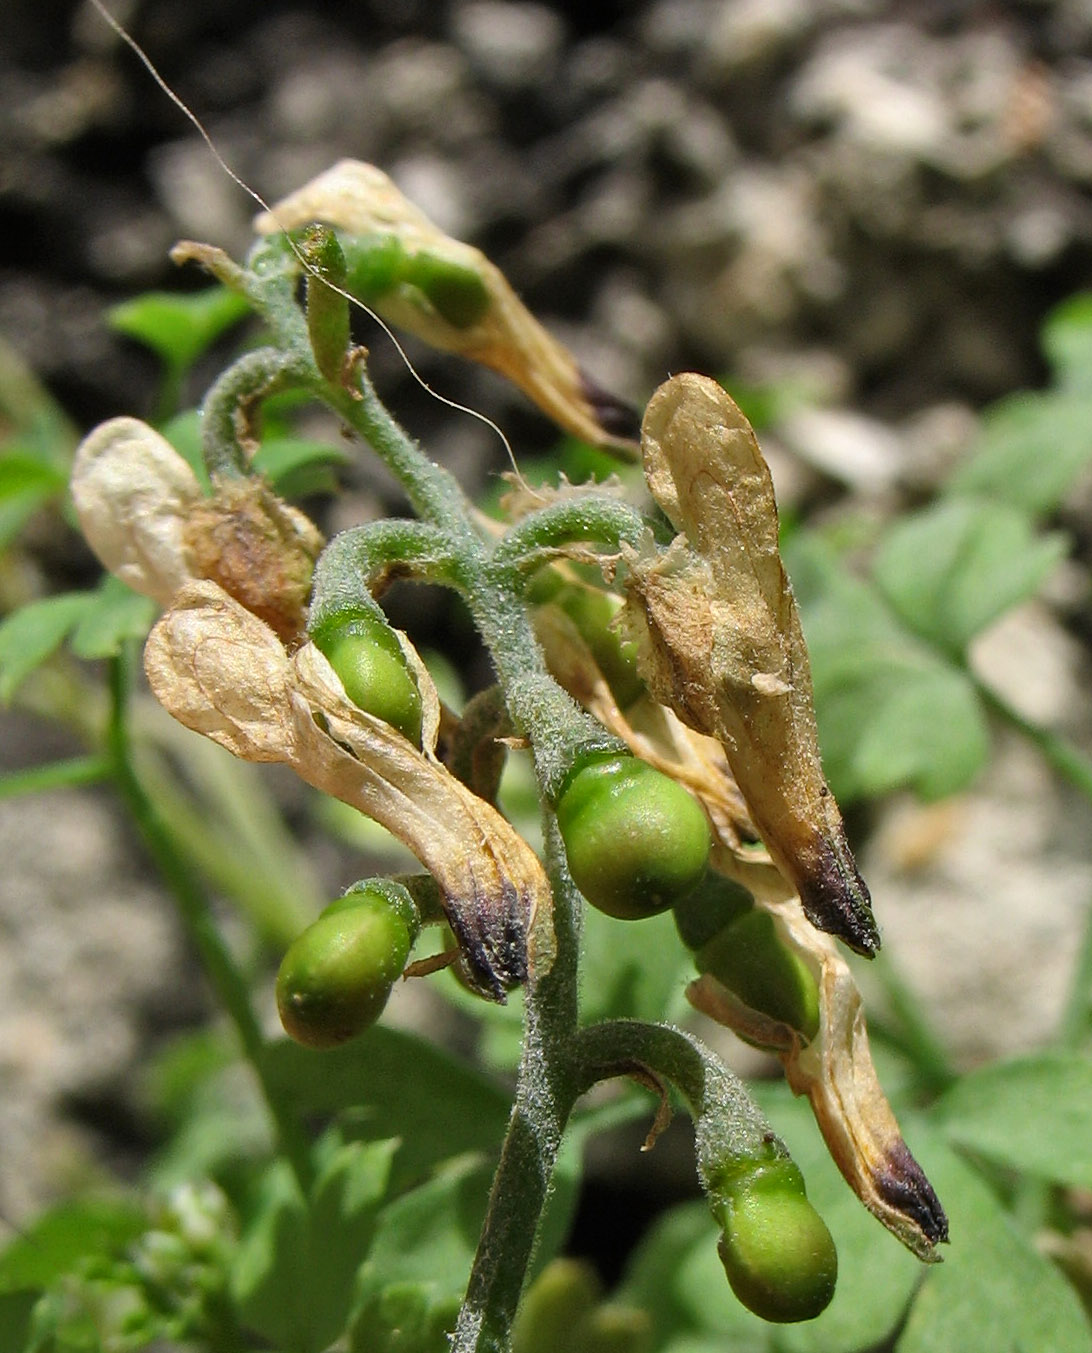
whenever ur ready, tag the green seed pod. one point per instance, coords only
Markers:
(749, 958)
(458, 295)
(592, 611)
(716, 902)
(374, 264)
(776, 1250)
(365, 653)
(635, 840)
(337, 975)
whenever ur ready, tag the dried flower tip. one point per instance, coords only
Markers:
(834, 1069)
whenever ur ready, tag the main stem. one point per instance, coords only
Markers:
(547, 1087)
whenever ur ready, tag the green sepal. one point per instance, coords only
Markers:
(327, 307)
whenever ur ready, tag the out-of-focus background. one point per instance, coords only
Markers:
(865, 207)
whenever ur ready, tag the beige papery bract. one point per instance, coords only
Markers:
(361, 200)
(222, 672)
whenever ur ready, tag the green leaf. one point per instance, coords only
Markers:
(953, 568)
(905, 721)
(994, 1290)
(116, 614)
(1031, 449)
(675, 1275)
(404, 1318)
(27, 483)
(33, 633)
(174, 1077)
(16, 1309)
(1033, 1114)
(423, 1249)
(56, 1241)
(297, 467)
(179, 327)
(297, 1261)
(271, 1253)
(219, 1124)
(22, 472)
(892, 712)
(1067, 342)
(631, 969)
(399, 1085)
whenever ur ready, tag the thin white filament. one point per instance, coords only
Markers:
(307, 266)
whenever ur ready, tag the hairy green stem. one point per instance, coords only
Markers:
(227, 981)
(364, 558)
(230, 407)
(584, 517)
(728, 1125)
(547, 1087)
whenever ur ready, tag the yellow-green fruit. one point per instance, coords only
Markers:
(750, 959)
(635, 840)
(592, 611)
(776, 1250)
(457, 294)
(368, 659)
(337, 975)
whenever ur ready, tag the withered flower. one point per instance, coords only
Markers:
(222, 672)
(147, 518)
(451, 296)
(219, 663)
(834, 1070)
(721, 644)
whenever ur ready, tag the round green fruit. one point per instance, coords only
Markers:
(636, 841)
(457, 294)
(365, 653)
(337, 975)
(776, 1250)
(750, 959)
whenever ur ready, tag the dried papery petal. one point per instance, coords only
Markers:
(259, 549)
(361, 200)
(836, 1073)
(133, 493)
(720, 641)
(521, 498)
(654, 733)
(220, 670)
